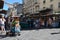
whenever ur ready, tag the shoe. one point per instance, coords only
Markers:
(19, 34)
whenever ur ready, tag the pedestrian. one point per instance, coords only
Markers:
(0, 20)
(17, 28)
(2, 24)
(9, 23)
(36, 23)
(42, 25)
(50, 23)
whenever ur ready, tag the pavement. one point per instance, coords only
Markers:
(41, 34)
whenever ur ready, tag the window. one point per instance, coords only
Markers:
(35, 1)
(59, 5)
(51, 0)
(33, 10)
(37, 8)
(51, 6)
(43, 7)
(44, 1)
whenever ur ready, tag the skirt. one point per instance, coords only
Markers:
(2, 25)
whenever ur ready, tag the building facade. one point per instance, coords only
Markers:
(16, 10)
(19, 8)
(34, 6)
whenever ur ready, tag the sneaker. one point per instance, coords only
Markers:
(19, 34)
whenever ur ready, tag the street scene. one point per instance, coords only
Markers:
(29, 20)
(42, 34)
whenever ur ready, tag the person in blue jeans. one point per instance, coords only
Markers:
(17, 28)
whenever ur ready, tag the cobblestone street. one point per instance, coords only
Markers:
(42, 34)
(33, 19)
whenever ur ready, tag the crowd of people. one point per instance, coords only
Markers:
(13, 25)
(43, 22)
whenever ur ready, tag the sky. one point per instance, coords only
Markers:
(11, 2)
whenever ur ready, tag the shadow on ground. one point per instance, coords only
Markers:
(2, 36)
(36, 28)
(55, 33)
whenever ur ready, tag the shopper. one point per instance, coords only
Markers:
(3, 24)
(17, 28)
(0, 20)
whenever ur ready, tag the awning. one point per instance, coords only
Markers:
(3, 11)
(45, 11)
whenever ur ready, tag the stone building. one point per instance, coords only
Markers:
(34, 6)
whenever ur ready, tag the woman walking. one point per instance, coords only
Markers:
(3, 24)
(0, 20)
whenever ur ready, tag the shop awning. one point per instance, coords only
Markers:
(45, 11)
(3, 12)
